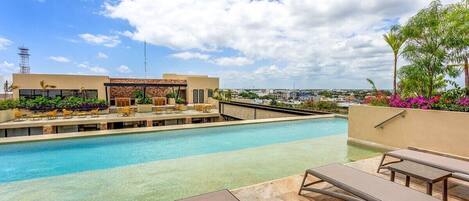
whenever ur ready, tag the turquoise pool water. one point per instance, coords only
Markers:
(51, 158)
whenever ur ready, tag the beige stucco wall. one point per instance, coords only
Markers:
(196, 82)
(247, 113)
(31, 81)
(440, 131)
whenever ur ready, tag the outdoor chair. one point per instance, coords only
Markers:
(360, 185)
(52, 114)
(159, 101)
(81, 114)
(19, 116)
(67, 114)
(122, 102)
(158, 110)
(125, 111)
(458, 166)
(180, 108)
(206, 108)
(198, 107)
(95, 112)
(36, 116)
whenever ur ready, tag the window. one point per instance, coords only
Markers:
(210, 93)
(195, 96)
(53, 93)
(201, 96)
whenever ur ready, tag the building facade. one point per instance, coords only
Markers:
(192, 88)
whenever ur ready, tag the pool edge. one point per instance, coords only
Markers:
(48, 137)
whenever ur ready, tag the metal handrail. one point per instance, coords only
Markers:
(381, 125)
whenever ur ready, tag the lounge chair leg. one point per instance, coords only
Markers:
(381, 163)
(303, 183)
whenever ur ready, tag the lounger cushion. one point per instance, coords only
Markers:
(442, 162)
(365, 185)
(222, 195)
(461, 176)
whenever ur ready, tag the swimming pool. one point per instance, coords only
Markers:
(164, 162)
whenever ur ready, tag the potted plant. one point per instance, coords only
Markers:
(143, 102)
(171, 98)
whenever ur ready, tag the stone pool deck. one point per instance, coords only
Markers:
(286, 189)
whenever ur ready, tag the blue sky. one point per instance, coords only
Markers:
(262, 44)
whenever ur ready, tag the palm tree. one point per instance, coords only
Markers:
(7, 87)
(45, 86)
(395, 40)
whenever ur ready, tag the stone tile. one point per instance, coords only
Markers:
(286, 189)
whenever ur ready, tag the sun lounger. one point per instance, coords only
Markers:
(360, 185)
(223, 195)
(458, 167)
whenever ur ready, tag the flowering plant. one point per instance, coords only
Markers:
(378, 100)
(414, 102)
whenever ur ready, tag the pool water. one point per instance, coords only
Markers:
(171, 164)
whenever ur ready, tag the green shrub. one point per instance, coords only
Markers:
(8, 104)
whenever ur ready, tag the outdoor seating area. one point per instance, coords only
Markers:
(357, 180)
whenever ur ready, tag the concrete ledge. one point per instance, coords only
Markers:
(150, 129)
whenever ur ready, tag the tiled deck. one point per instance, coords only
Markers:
(112, 117)
(286, 189)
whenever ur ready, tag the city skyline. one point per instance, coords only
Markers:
(320, 44)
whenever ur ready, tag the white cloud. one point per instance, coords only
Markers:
(124, 69)
(93, 69)
(102, 55)
(4, 43)
(232, 61)
(7, 67)
(59, 59)
(190, 55)
(108, 41)
(222, 61)
(324, 40)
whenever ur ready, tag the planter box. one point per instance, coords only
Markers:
(6, 115)
(144, 108)
(171, 101)
(436, 130)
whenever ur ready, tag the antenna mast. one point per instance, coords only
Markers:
(24, 60)
(145, 57)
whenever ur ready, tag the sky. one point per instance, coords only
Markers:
(247, 43)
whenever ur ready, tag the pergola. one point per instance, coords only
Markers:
(143, 85)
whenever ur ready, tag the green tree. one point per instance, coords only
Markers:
(395, 40)
(7, 87)
(426, 48)
(457, 39)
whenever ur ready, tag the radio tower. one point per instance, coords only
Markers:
(24, 60)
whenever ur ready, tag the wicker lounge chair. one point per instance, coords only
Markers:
(360, 185)
(52, 114)
(223, 195)
(458, 167)
(19, 116)
(125, 111)
(95, 112)
(67, 114)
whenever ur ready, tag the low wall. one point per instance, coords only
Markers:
(246, 113)
(440, 131)
(6, 115)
